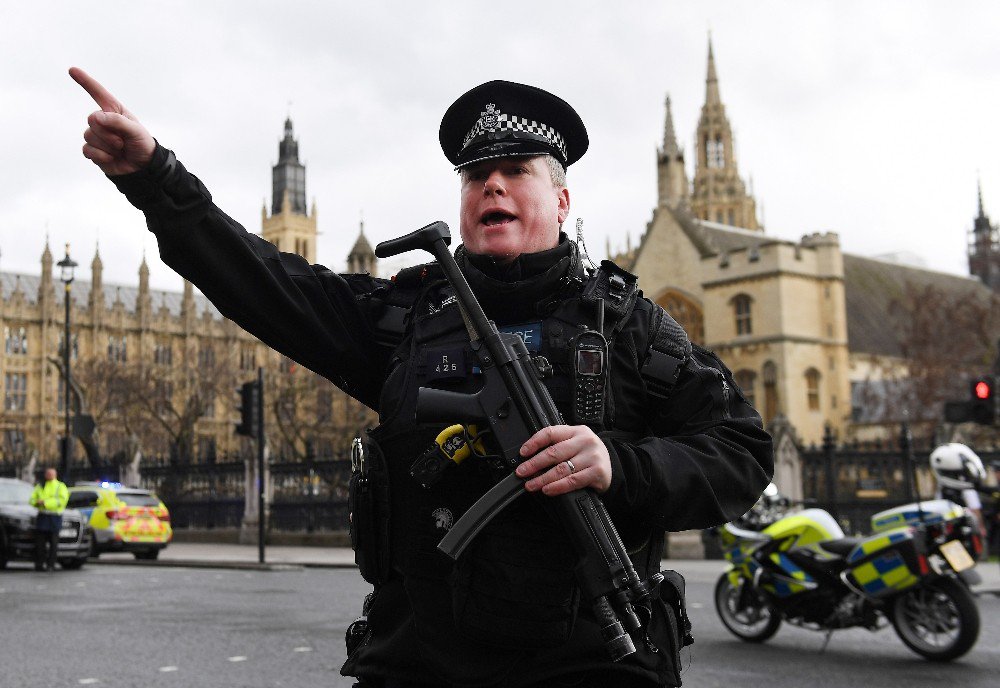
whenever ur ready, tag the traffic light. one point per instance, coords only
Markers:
(249, 405)
(983, 402)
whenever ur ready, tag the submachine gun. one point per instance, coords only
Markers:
(514, 404)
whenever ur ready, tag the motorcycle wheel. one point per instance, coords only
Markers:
(745, 613)
(938, 620)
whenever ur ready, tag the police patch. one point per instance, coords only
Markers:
(530, 334)
(443, 518)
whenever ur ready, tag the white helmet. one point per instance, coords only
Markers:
(957, 466)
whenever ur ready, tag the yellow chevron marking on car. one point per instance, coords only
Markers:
(141, 526)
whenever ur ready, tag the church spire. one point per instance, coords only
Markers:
(671, 176)
(96, 299)
(711, 81)
(718, 193)
(979, 192)
(362, 258)
(984, 247)
(669, 136)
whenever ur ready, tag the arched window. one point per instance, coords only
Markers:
(715, 153)
(686, 312)
(770, 375)
(15, 340)
(812, 389)
(741, 306)
(746, 380)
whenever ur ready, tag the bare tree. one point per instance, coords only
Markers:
(310, 414)
(946, 337)
(173, 398)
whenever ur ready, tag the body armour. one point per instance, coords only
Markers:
(512, 598)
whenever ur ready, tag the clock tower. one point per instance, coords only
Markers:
(289, 227)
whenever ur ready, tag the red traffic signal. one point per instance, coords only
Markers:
(982, 389)
(983, 406)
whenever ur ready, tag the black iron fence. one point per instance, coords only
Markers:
(857, 480)
(307, 494)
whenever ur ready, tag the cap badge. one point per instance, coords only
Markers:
(490, 118)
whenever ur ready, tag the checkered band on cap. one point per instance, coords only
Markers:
(492, 121)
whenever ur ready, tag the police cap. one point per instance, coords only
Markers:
(502, 119)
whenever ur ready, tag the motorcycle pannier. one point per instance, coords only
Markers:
(885, 563)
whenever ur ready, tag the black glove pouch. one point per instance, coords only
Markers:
(368, 495)
(515, 586)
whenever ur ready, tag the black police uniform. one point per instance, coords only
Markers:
(508, 612)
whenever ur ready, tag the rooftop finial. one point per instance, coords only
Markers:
(712, 80)
(669, 135)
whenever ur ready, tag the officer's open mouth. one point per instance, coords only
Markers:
(496, 218)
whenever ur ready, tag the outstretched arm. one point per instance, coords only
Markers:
(318, 318)
(115, 140)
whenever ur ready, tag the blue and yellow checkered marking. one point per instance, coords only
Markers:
(908, 518)
(869, 547)
(783, 588)
(884, 573)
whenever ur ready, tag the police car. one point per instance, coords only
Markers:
(123, 519)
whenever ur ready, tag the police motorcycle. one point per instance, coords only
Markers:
(799, 567)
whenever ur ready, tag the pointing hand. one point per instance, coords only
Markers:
(115, 140)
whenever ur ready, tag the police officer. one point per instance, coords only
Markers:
(960, 476)
(656, 426)
(50, 498)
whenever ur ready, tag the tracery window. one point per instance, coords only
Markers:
(715, 153)
(118, 349)
(15, 341)
(163, 353)
(16, 392)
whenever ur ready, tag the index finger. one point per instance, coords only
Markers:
(101, 95)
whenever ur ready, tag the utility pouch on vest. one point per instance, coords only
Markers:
(368, 492)
(515, 587)
(669, 628)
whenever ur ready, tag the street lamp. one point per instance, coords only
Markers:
(66, 266)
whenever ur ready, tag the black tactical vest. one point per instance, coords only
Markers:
(513, 592)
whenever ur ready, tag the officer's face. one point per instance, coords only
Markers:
(510, 206)
(50, 474)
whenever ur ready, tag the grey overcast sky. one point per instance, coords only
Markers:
(870, 119)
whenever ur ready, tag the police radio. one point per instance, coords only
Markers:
(590, 376)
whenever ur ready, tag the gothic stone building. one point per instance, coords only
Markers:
(172, 355)
(805, 326)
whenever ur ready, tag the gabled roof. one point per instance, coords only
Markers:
(871, 285)
(80, 294)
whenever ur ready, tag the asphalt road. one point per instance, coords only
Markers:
(132, 626)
